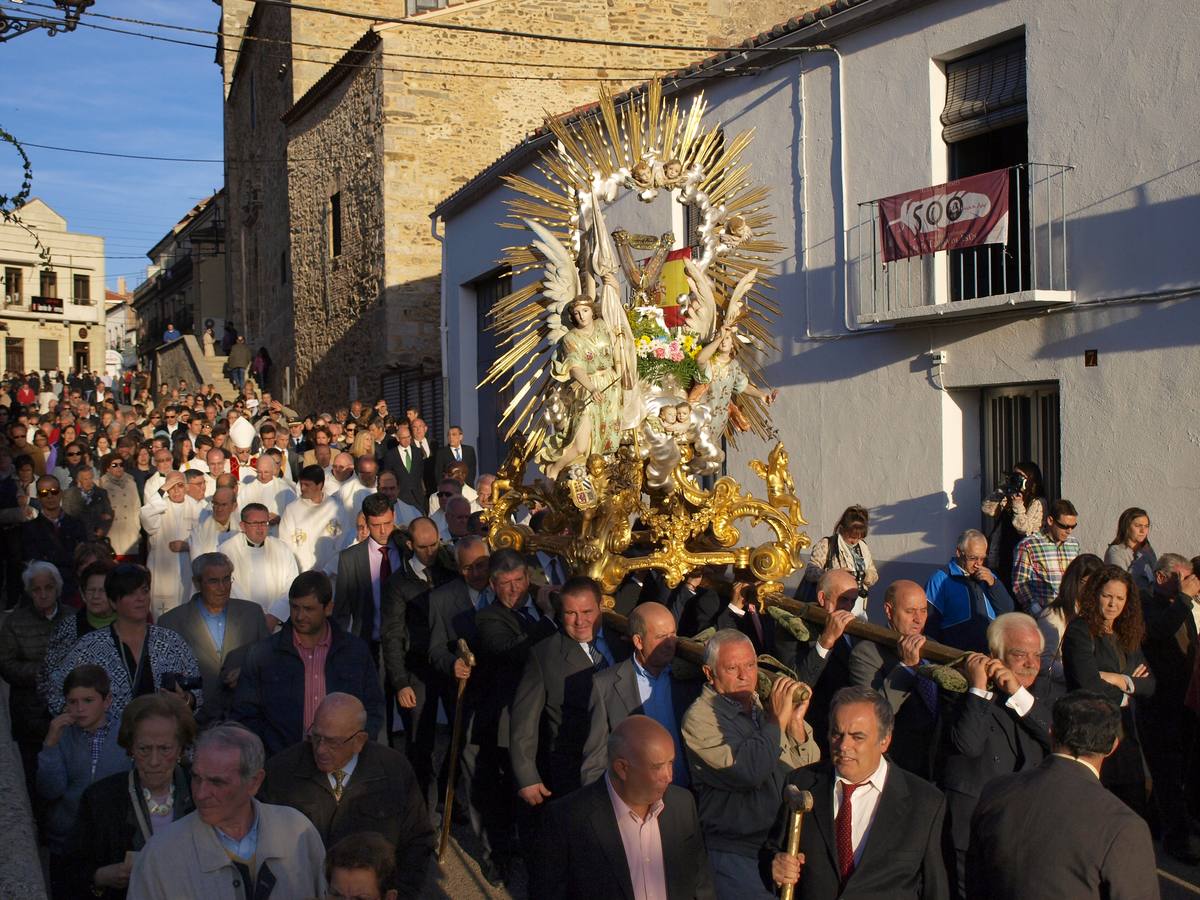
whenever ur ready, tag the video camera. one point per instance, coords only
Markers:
(1014, 483)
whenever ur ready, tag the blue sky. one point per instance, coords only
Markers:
(96, 90)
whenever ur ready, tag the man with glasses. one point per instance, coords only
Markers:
(286, 676)
(1043, 557)
(263, 566)
(218, 627)
(164, 465)
(52, 535)
(999, 726)
(965, 597)
(341, 780)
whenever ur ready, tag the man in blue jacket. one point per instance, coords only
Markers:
(965, 597)
(286, 676)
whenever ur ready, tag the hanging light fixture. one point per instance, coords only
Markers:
(12, 26)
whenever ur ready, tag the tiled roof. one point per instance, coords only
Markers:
(736, 59)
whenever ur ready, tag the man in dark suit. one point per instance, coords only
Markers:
(455, 451)
(52, 535)
(347, 784)
(407, 463)
(693, 604)
(1168, 731)
(550, 719)
(1085, 842)
(992, 732)
(641, 685)
(219, 629)
(405, 637)
(876, 829)
(429, 447)
(824, 662)
(507, 629)
(744, 613)
(893, 672)
(363, 569)
(583, 851)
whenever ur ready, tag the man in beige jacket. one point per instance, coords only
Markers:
(739, 754)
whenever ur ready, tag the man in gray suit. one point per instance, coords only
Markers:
(641, 685)
(892, 672)
(219, 628)
(1056, 831)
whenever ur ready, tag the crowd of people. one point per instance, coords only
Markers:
(237, 635)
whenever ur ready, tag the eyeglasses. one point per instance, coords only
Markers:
(1058, 524)
(264, 523)
(71, 453)
(49, 492)
(318, 739)
(116, 465)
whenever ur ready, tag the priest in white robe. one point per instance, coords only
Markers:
(315, 527)
(218, 521)
(263, 567)
(268, 489)
(169, 521)
(342, 470)
(364, 483)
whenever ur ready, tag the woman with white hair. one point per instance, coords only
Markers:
(24, 637)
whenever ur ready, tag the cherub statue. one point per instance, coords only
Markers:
(735, 233)
(781, 488)
(672, 174)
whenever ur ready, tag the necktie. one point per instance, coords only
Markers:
(844, 829)
(407, 464)
(527, 614)
(599, 663)
(752, 611)
(929, 693)
(339, 786)
(457, 454)
(385, 566)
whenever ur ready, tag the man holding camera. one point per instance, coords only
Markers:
(1042, 558)
(965, 597)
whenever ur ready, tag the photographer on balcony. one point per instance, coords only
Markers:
(1019, 509)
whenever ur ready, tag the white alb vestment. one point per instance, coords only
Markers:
(209, 532)
(275, 495)
(316, 533)
(170, 572)
(262, 574)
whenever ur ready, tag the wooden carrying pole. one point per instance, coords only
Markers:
(816, 614)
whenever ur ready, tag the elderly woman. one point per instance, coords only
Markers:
(125, 531)
(24, 637)
(118, 814)
(1102, 652)
(80, 748)
(97, 612)
(846, 548)
(139, 658)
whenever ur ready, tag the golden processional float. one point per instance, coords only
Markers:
(626, 362)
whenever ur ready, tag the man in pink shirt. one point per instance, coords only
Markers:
(631, 833)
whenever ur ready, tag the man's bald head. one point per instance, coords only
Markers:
(227, 480)
(837, 589)
(906, 607)
(424, 539)
(342, 709)
(641, 757)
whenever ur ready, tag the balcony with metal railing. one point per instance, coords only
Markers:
(1030, 271)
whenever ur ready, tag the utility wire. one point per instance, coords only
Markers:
(266, 40)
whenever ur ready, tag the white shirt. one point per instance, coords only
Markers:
(405, 513)
(469, 494)
(1021, 702)
(209, 532)
(275, 495)
(863, 804)
(262, 574)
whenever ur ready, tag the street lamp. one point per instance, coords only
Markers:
(12, 27)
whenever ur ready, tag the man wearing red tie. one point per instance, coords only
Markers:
(876, 829)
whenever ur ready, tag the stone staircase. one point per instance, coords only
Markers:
(212, 368)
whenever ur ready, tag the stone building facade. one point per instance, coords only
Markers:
(378, 122)
(53, 312)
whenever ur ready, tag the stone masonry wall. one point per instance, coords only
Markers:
(430, 117)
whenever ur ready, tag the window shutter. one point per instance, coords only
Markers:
(985, 92)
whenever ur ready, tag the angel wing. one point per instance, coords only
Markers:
(529, 323)
(701, 317)
(733, 309)
(561, 282)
